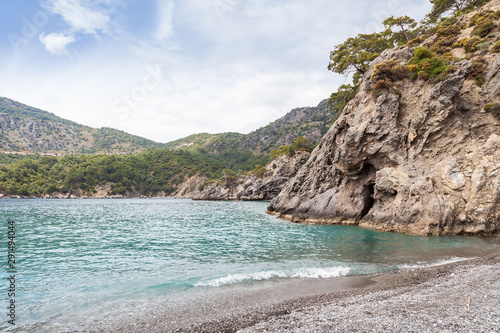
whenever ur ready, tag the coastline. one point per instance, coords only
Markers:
(389, 226)
(414, 299)
(457, 297)
(72, 196)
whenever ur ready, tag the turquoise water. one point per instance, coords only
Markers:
(75, 255)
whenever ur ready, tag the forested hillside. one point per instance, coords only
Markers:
(155, 172)
(215, 143)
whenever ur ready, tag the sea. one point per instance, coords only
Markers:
(82, 263)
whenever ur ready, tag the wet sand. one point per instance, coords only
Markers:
(432, 299)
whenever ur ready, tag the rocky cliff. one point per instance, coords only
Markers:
(250, 187)
(421, 158)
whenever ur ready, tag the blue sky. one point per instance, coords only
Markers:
(164, 69)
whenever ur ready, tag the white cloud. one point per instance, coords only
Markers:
(165, 18)
(236, 65)
(56, 43)
(82, 15)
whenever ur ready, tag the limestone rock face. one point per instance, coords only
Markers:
(424, 160)
(191, 187)
(251, 187)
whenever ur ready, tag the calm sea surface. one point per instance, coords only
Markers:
(79, 256)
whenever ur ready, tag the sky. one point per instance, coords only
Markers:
(165, 69)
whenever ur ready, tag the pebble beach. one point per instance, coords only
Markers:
(457, 297)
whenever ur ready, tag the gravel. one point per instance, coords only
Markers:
(459, 298)
(432, 299)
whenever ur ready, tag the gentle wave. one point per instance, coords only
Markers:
(307, 273)
(434, 264)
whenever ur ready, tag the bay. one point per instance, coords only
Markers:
(80, 259)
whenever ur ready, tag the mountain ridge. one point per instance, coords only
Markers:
(25, 129)
(28, 130)
(309, 122)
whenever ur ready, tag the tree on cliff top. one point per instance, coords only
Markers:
(405, 24)
(439, 7)
(354, 56)
(356, 53)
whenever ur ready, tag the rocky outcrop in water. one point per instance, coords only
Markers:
(252, 187)
(422, 159)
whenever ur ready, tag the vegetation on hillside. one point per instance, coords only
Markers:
(19, 110)
(260, 171)
(150, 173)
(112, 140)
(298, 144)
(493, 108)
(310, 122)
(6, 159)
(205, 142)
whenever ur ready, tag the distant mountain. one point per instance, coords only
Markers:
(180, 168)
(309, 122)
(31, 130)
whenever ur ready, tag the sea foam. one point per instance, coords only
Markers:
(306, 273)
(433, 264)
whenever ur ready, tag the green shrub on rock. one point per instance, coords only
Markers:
(496, 47)
(260, 171)
(448, 31)
(493, 108)
(426, 65)
(391, 70)
(298, 144)
(483, 27)
(385, 74)
(478, 71)
(469, 44)
(422, 52)
(446, 38)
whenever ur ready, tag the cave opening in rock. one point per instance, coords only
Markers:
(368, 173)
(369, 201)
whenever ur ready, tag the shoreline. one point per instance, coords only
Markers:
(71, 196)
(382, 227)
(305, 314)
(350, 302)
